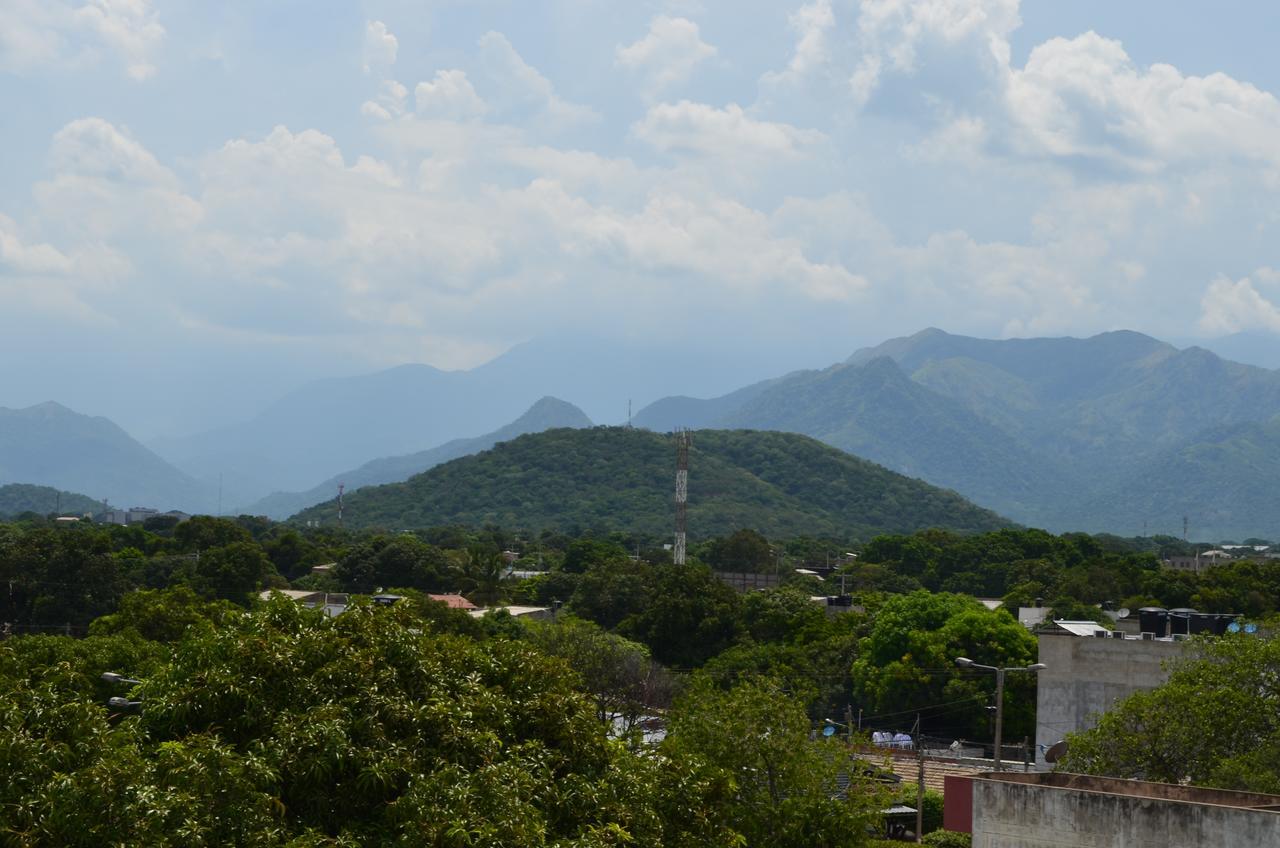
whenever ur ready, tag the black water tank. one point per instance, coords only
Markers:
(1202, 622)
(1180, 620)
(1221, 622)
(1153, 620)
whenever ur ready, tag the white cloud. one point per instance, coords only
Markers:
(897, 31)
(390, 102)
(1230, 307)
(688, 127)
(1084, 97)
(42, 34)
(17, 257)
(380, 46)
(667, 55)
(812, 24)
(449, 95)
(521, 89)
(106, 182)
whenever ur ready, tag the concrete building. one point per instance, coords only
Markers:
(1016, 810)
(1088, 670)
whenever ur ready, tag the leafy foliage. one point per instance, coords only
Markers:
(907, 663)
(285, 727)
(784, 786)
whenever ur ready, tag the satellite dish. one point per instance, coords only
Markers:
(829, 730)
(1056, 752)
(1116, 615)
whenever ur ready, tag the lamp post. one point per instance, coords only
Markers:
(965, 662)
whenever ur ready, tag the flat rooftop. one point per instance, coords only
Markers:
(1139, 789)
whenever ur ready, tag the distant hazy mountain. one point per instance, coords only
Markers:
(1224, 483)
(616, 478)
(1253, 348)
(17, 498)
(1063, 433)
(546, 414)
(50, 445)
(325, 427)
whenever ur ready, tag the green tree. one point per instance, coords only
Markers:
(691, 616)
(201, 532)
(284, 727)
(232, 572)
(624, 683)
(783, 784)
(907, 663)
(745, 550)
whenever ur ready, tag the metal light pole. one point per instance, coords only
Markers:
(965, 662)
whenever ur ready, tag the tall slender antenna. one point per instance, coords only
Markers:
(1184, 528)
(683, 440)
(341, 486)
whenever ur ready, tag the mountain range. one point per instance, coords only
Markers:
(546, 414)
(1117, 432)
(329, 426)
(607, 479)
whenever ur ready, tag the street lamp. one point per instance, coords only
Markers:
(965, 662)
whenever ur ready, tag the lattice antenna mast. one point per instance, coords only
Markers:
(683, 440)
(341, 486)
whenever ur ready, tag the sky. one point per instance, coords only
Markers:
(204, 204)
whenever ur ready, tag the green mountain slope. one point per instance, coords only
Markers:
(548, 413)
(622, 479)
(877, 412)
(1062, 433)
(17, 498)
(49, 444)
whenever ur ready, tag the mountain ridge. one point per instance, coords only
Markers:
(620, 478)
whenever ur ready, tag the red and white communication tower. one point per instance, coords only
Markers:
(683, 440)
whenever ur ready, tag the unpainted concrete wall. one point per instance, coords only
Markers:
(1086, 676)
(1016, 815)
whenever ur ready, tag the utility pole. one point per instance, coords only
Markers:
(965, 662)
(919, 781)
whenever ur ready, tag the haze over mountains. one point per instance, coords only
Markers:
(324, 428)
(546, 414)
(1119, 432)
(51, 445)
(1060, 433)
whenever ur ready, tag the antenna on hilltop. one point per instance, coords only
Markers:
(341, 486)
(683, 440)
(1184, 528)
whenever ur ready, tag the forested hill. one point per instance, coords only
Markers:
(17, 498)
(616, 478)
